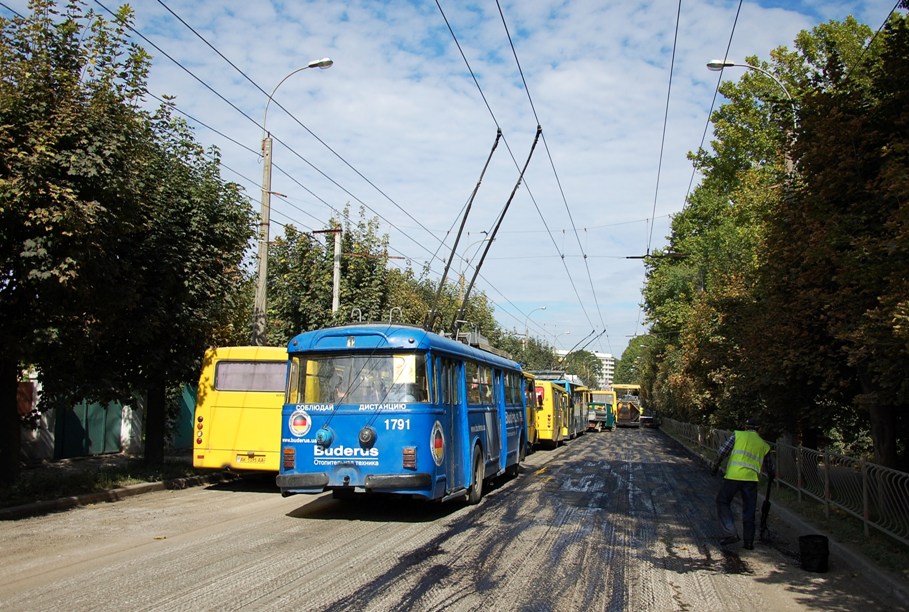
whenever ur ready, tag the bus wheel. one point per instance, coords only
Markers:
(476, 487)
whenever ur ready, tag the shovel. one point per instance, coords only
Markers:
(765, 508)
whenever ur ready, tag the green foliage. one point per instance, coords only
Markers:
(585, 365)
(300, 277)
(532, 353)
(790, 299)
(120, 245)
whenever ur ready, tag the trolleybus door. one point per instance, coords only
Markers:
(446, 379)
(495, 413)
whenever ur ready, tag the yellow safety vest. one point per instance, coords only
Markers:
(746, 457)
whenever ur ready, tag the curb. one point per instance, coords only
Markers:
(111, 495)
(892, 589)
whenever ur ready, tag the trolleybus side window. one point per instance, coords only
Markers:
(479, 384)
(513, 382)
(471, 372)
(446, 381)
(486, 390)
(453, 387)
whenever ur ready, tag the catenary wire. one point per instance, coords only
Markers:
(554, 171)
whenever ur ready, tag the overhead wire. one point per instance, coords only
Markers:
(379, 215)
(510, 152)
(236, 142)
(716, 93)
(656, 193)
(858, 62)
(391, 224)
(300, 123)
(562, 254)
(554, 171)
(291, 149)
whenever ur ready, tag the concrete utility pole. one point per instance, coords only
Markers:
(336, 279)
(260, 305)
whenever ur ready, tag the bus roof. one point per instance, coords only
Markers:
(383, 336)
(247, 353)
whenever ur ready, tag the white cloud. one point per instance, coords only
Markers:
(400, 106)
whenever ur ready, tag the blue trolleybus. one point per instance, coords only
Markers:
(379, 408)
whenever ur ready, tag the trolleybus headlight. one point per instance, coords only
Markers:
(324, 437)
(367, 436)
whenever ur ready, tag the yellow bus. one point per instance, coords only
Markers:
(628, 405)
(552, 415)
(532, 407)
(237, 424)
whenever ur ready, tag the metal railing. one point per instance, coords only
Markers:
(876, 495)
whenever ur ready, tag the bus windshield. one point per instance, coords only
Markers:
(355, 379)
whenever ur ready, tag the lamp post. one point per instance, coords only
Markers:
(258, 332)
(527, 324)
(557, 335)
(718, 65)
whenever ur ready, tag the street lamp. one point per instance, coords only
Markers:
(556, 336)
(258, 332)
(718, 65)
(527, 324)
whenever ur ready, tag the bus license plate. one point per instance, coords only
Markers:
(248, 459)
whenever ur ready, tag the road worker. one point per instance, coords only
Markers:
(747, 453)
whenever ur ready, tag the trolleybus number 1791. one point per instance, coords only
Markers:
(397, 424)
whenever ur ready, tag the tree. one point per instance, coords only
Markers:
(790, 299)
(299, 285)
(843, 241)
(585, 365)
(532, 353)
(121, 247)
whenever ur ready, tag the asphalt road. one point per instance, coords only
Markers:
(611, 521)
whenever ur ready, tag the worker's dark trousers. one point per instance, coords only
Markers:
(724, 499)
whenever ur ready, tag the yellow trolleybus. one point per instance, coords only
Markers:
(552, 400)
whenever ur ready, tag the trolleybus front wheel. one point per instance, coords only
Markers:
(476, 487)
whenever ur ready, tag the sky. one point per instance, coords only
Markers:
(404, 121)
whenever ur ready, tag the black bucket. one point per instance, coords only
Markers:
(813, 553)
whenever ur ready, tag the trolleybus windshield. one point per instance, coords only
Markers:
(358, 379)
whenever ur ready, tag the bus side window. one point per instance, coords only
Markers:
(473, 382)
(453, 369)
